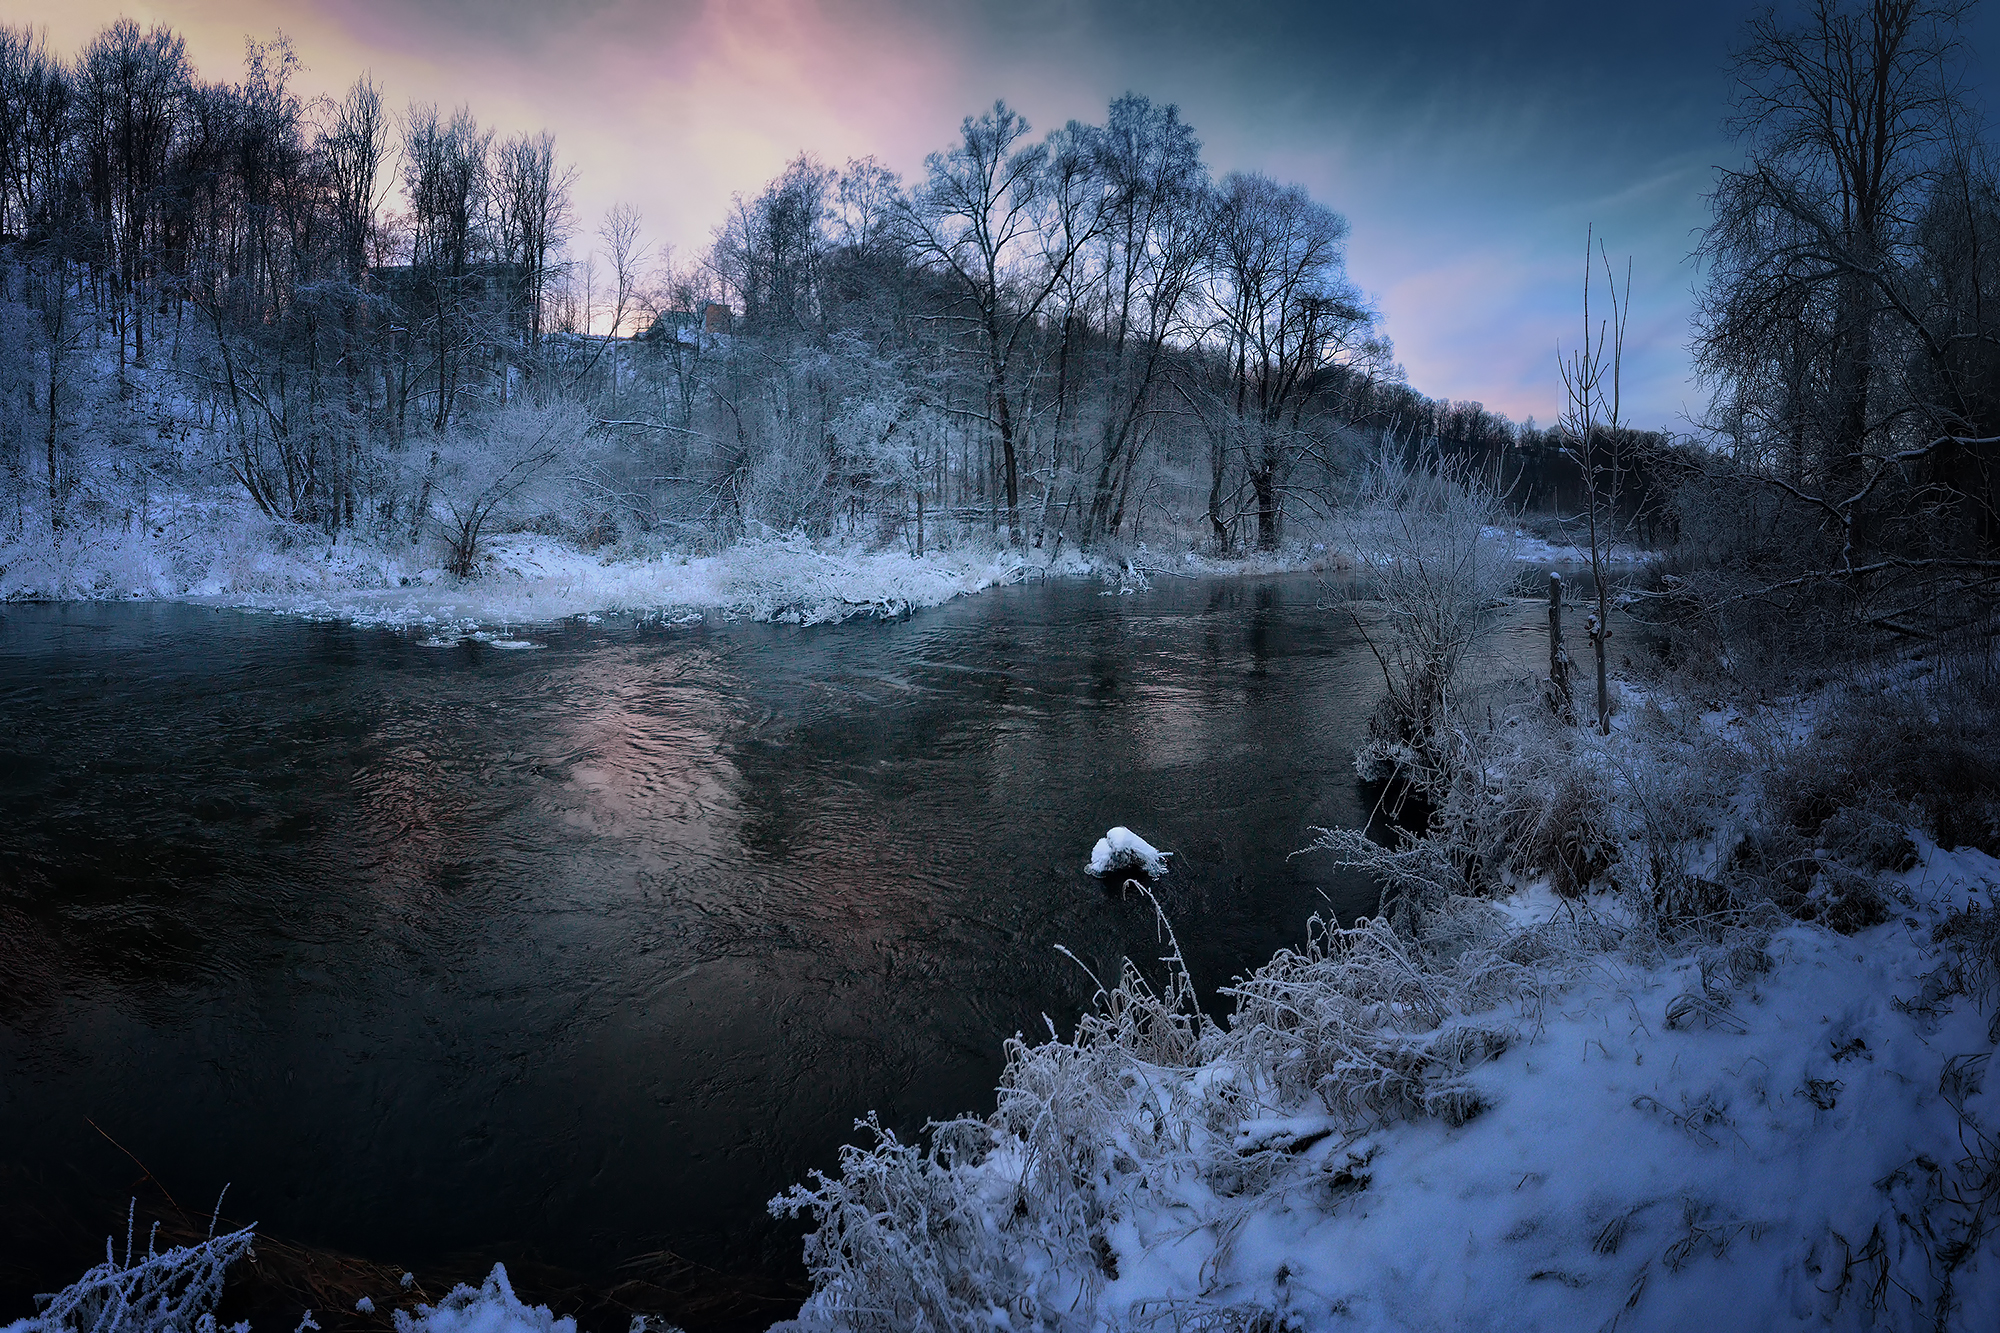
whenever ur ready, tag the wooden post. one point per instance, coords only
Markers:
(1560, 699)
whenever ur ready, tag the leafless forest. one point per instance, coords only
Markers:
(372, 320)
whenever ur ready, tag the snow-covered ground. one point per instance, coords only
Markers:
(217, 554)
(238, 561)
(1531, 1112)
(1530, 549)
(1662, 1149)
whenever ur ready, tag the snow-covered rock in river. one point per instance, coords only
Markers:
(492, 1308)
(1122, 849)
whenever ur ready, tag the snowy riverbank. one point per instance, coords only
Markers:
(221, 556)
(1742, 1083)
(524, 578)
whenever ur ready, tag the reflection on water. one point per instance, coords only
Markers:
(582, 954)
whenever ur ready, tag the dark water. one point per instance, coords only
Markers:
(576, 956)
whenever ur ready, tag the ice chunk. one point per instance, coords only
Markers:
(1122, 849)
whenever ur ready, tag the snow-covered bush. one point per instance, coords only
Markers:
(1374, 1024)
(1012, 1220)
(164, 1291)
(1121, 849)
(1420, 532)
(1005, 1218)
(490, 467)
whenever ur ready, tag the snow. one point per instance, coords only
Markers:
(1122, 849)
(1530, 549)
(1693, 1172)
(491, 1308)
(215, 557)
(1642, 1159)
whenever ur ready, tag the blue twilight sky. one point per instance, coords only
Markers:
(1470, 144)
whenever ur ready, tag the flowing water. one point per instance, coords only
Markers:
(576, 956)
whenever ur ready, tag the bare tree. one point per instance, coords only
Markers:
(1158, 223)
(128, 84)
(1847, 116)
(445, 176)
(770, 250)
(532, 195)
(1844, 327)
(353, 149)
(1593, 430)
(979, 218)
(1284, 314)
(34, 120)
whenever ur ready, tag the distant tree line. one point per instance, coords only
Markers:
(1083, 336)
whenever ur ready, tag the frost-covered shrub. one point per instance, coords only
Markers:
(1873, 835)
(1420, 532)
(1374, 1025)
(1930, 741)
(166, 1291)
(1537, 805)
(501, 466)
(1007, 1221)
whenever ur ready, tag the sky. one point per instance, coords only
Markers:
(1470, 144)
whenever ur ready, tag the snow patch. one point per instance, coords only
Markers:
(491, 1308)
(1121, 849)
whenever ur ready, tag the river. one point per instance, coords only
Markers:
(574, 956)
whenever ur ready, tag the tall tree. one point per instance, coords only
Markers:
(1848, 116)
(445, 177)
(1158, 220)
(1285, 315)
(129, 88)
(532, 195)
(353, 148)
(988, 217)
(770, 251)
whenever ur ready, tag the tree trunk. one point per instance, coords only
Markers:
(1265, 483)
(1009, 466)
(55, 482)
(1561, 700)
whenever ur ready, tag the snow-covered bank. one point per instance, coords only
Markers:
(530, 579)
(1665, 1102)
(218, 555)
(1799, 1135)
(239, 561)
(1530, 549)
